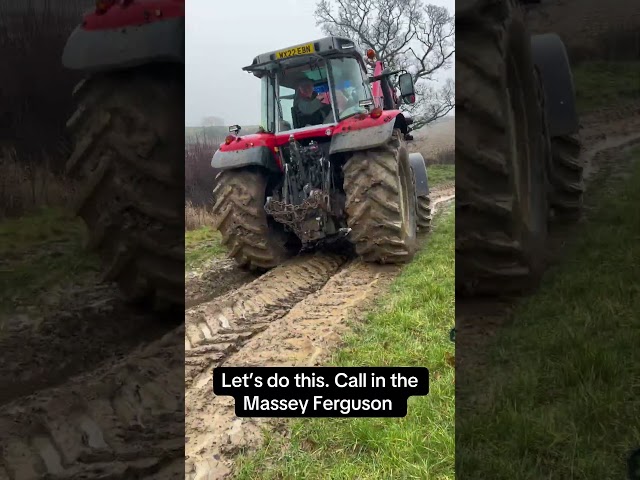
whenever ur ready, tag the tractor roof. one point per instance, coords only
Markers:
(324, 47)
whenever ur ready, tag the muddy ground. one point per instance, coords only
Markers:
(294, 315)
(585, 24)
(93, 388)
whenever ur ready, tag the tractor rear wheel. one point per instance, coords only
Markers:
(381, 203)
(253, 240)
(129, 166)
(501, 148)
(566, 178)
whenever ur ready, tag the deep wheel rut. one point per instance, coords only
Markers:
(295, 315)
(75, 333)
(104, 407)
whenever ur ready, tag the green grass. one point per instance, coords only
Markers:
(201, 245)
(39, 251)
(409, 327)
(602, 84)
(441, 174)
(560, 397)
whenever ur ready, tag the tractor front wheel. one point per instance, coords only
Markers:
(424, 213)
(381, 203)
(566, 177)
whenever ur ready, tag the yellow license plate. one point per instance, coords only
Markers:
(295, 51)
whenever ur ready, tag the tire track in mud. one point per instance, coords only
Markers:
(302, 334)
(607, 153)
(215, 329)
(606, 123)
(85, 326)
(214, 279)
(607, 133)
(79, 330)
(124, 419)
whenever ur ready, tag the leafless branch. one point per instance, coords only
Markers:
(431, 103)
(406, 34)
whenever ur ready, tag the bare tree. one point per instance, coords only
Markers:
(408, 34)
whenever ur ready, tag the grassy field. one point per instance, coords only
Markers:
(39, 251)
(561, 395)
(441, 174)
(410, 326)
(201, 244)
(602, 84)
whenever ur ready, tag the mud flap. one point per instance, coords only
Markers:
(361, 139)
(257, 156)
(101, 50)
(550, 57)
(419, 168)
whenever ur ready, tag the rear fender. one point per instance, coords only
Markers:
(96, 50)
(363, 132)
(551, 59)
(419, 168)
(256, 157)
(250, 150)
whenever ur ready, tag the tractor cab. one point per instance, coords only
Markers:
(315, 85)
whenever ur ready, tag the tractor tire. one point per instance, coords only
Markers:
(566, 177)
(423, 213)
(253, 240)
(501, 151)
(128, 163)
(381, 203)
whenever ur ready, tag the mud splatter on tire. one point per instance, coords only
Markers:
(380, 203)
(252, 240)
(129, 164)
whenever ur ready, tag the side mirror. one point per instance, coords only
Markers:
(407, 90)
(235, 129)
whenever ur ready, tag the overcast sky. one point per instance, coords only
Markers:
(222, 36)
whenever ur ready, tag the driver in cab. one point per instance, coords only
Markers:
(309, 108)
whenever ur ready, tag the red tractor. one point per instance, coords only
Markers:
(328, 163)
(128, 152)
